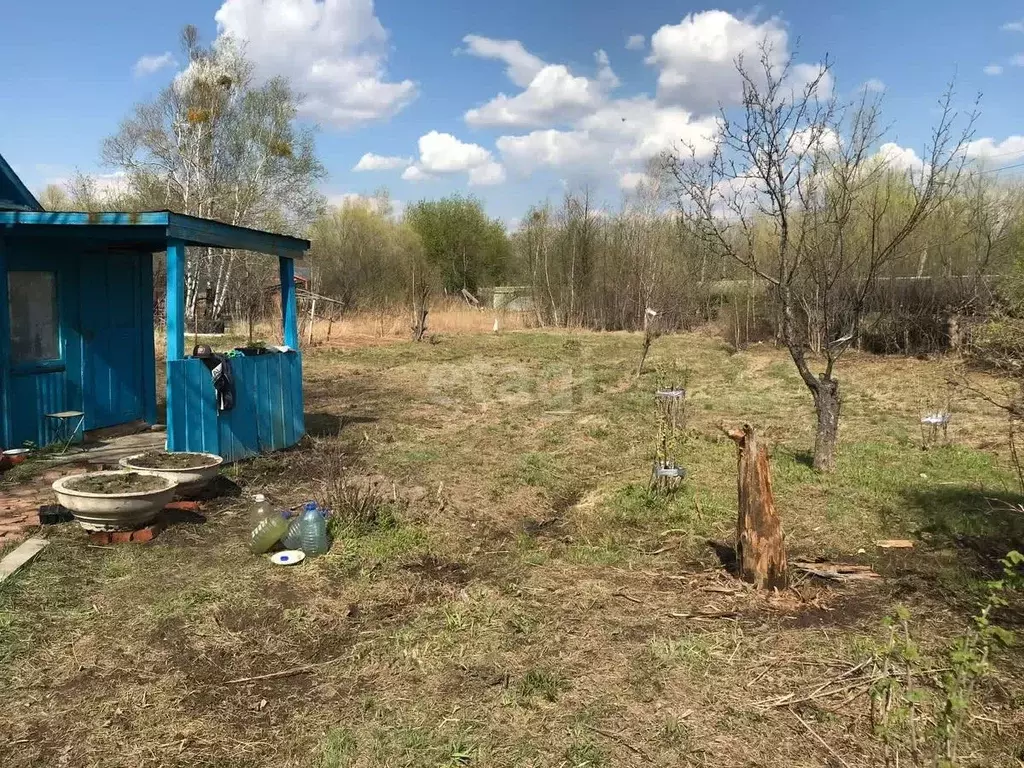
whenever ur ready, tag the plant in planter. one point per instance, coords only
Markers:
(191, 471)
(114, 500)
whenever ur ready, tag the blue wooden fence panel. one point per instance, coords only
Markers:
(268, 407)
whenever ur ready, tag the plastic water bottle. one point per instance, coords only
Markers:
(293, 538)
(313, 530)
(267, 533)
(260, 510)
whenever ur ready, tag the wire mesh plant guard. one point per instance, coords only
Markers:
(667, 474)
(932, 425)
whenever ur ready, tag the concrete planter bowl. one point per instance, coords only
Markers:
(113, 511)
(189, 479)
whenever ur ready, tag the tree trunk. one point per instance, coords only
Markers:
(760, 545)
(419, 327)
(826, 405)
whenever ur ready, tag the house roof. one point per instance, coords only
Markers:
(14, 195)
(148, 231)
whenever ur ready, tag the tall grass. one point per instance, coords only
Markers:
(394, 323)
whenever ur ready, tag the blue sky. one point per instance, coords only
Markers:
(400, 79)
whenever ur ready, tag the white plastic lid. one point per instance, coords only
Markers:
(259, 497)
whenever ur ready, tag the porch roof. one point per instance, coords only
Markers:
(148, 230)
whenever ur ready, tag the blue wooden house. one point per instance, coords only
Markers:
(77, 331)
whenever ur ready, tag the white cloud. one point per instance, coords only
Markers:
(636, 42)
(523, 66)
(442, 153)
(1013, 26)
(993, 69)
(147, 65)
(630, 180)
(874, 84)
(1009, 149)
(605, 75)
(487, 174)
(899, 158)
(415, 173)
(803, 75)
(821, 140)
(1018, 60)
(640, 128)
(579, 128)
(622, 134)
(552, 94)
(333, 51)
(578, 125)
(550, 148)
(696, 57)
(372, 162)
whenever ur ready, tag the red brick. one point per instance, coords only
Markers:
(100, 537)
(183, 506)
(148, 533)
(121, 537)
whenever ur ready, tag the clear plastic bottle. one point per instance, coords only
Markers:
(259, 511)
(293, 538)
(267, 533)
(313, 530)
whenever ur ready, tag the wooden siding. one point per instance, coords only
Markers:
(107, 362)
(268, 406)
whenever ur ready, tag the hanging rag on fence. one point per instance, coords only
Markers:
(223, 380)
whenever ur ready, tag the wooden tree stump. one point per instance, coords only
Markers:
(760, 545)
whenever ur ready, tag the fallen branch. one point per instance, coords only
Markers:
(616, 737)
(624, 596)
(705, 615)
(662, 550)
(819, 739)
(837, 571)
(282, 673)
(721, 590)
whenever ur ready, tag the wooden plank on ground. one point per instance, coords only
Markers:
(28, 549)
(837, 571)
(895, 544)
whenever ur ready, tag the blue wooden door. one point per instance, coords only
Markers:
(112, 391)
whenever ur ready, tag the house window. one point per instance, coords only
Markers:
(34, 322)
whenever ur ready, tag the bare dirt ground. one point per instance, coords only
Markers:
(517, 596)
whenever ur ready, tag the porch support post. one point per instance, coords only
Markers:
(175, 300)
(175, 342)
(289, 311)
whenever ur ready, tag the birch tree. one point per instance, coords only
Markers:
(216, 144)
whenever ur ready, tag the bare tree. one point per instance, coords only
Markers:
(216, 144)
(794, 192)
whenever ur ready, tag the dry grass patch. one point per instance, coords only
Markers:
(513, 594)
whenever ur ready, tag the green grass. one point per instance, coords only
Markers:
(518, 609)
